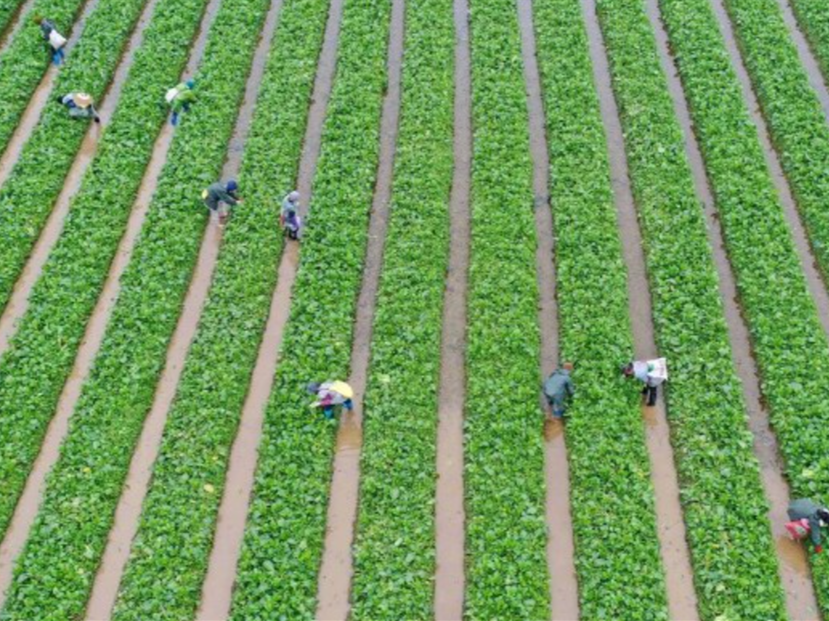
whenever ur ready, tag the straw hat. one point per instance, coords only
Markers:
(344, 389)
(82, 100)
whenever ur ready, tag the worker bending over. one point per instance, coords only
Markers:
(180, 98)
(807, 518)
(331, 395)
(651, 373)
(289, 216)
(80, 105)
(558, 388)
(53, 37)
(219, 197)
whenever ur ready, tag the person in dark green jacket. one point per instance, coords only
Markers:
(818, 517)
(219, 197)
(558, 388)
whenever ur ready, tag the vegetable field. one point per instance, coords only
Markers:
(488, 189)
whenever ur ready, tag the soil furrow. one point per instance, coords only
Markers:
(450, 513)
(128, 512)
(336, 569)
(793, 565)
(560, 549)
(814, 280)
(682, 601)
(19, 300)
(40, 97)
(217, 590)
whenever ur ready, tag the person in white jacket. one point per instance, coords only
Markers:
(651, 373)
(55, 40)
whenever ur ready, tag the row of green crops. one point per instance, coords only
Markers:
(504, 468)
(813, 19)
(27, 56)
(785, 330)
(719, 476)
(179, 514)
(38, 176)
(395, 543)
(34, 369)
(9, 10)
(82, 491)
(283, 542)
(617, 551)
(792, 110)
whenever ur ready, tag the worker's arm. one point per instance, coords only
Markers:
(571, 387)
(814, 530)
(227, 197)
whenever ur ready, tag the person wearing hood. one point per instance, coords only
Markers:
(80, 106)
(816, 517)
(180, 98)
(289, 216)
(55, 40)
(219, 197)
(558, 388)
(651, 373)
(331, 395)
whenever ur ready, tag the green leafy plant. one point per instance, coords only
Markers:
(394, 558)
(813, 18)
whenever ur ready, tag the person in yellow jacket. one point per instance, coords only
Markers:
(331, 395)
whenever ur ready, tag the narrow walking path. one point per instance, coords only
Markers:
(450, 513)
(217, 590)
(564, 593)
(49, 235)
(336, 568)
(793, 565)
(682, 601)
(815, 282)
(128, 512)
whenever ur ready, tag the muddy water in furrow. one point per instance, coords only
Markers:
(128, 511)
(450, 514)
(40, 98)
(793, 566)
(19, 301)
(682, 600)
(560, 559)
(814, 280)
(336, 569)
(217, 590)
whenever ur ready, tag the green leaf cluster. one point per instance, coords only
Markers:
(175, 536)
(724, 505)
(813, 19)
(617, 551)
(394, 556)
(283, 542)
(504, 470)
(38, 176)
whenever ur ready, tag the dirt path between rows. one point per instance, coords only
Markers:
(128, 512)
(793, 566)
(682, 599)
(564, 593)
(19, 301)
(336, 569)
(217, 591)
(29, 503)
(40, 97)
(814, 280)
(450, 513)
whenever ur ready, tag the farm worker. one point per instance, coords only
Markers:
(288, 217)
(80, 105)
(53, 37)
(815, 516)
(330, 395)
(557, 388)
(218, 197)
(650, 372)
(180, 98)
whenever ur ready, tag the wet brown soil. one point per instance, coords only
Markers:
(450, 514)
(793, 567)
(810, 270)
(128, 512)
(19, 301)
(230, 528)
(336, 570)
(564, 594)
(682, 601)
